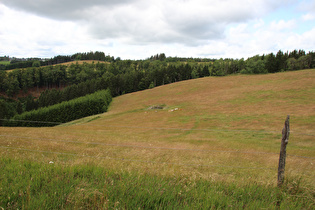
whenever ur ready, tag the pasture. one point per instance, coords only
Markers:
(4, 62)
(220, 130)
(82, 62)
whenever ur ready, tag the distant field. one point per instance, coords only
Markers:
(5, 62)
(81, 62)
(221, 129)
(66, 63)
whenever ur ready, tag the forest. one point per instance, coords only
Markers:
(42, 84)
(15, 63)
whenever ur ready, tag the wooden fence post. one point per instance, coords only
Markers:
(284, 142)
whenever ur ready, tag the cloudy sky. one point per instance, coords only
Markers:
(137, 29)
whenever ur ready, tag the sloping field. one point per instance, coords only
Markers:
(71, 62)
(81, 62)
(215, 128)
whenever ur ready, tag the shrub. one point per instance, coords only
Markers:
(92, 104)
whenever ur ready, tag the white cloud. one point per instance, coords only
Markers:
(308, 17)
(147, 21)
(282, 25)
(139, 28)
(307, 6)
(23, 34)
(178, 21)
(61, 9)
(306, 40)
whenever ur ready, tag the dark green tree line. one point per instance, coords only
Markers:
(64, 83)
(92, 104)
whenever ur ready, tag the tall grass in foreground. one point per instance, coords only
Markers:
(32, 185)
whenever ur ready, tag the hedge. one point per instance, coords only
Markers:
(88, 105)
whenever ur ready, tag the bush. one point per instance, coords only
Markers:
(92, 104)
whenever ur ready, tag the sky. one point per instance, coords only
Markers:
(137, 29)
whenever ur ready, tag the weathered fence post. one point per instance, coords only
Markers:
(284, 142)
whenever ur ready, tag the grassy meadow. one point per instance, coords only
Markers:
(215, 144)
(4, 62)
(66, 63)
(82, 62)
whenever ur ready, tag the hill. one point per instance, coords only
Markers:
(225, 106)
(69, 63)
(222, 129)
(81, 62)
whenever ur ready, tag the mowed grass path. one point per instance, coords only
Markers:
(216, 128)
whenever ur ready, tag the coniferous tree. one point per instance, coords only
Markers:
(271, 65)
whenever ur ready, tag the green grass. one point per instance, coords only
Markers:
(223, 150)
(5, 62)
(33, 185)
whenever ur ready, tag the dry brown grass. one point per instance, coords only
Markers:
(81, 62)
(72, 62)
(241, 113)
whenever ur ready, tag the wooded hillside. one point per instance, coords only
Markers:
(44, 86)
